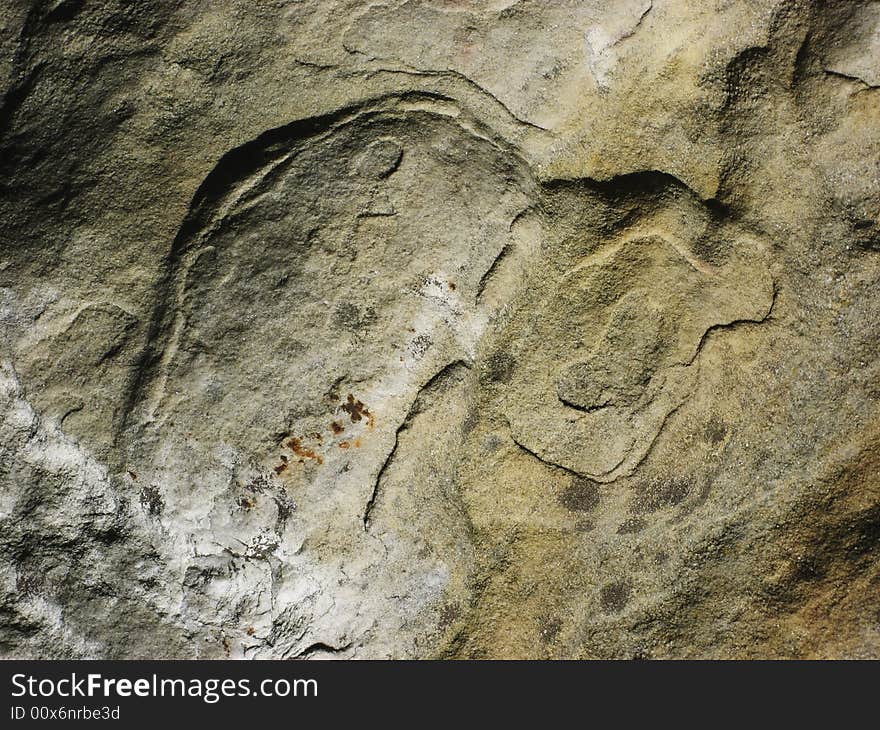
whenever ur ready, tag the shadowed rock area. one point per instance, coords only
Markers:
(439, 329)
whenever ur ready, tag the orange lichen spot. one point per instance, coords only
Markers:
(357, 443)
(296, 446)
(344, 444)
(336, 427)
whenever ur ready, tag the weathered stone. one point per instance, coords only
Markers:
(439, 329)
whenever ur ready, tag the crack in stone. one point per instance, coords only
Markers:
(404, 425)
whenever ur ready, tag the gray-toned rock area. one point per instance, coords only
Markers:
(437, 328)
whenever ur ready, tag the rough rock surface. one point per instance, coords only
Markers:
(436, 328)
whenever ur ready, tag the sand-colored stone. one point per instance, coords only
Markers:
(439, 329)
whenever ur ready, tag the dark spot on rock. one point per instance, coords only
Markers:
(285, 507)
(27, 583)
(420, 345)
(448, 615)
(64, 10)
(344, 445)
(250, 631)
(132, 474)
(582, 495)
(283, 465)
(332, 393)
(347, 316)
(861, 537)
(549, 629)
(807, 568)
(452, 285)
(336, 427)
(659, 493)
(715, 431)
(615, 596)
(500, 367)
(246, 503)
(631, 526)
(470, 421)
(151, 500)
(492, 443)
(258, 484)
(110, 534)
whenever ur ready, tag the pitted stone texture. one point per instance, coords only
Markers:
(439, 329)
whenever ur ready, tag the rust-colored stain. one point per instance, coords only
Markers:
(452, 285)
(357, 410)
(297, 448)
(283, 465)
(250, 631)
